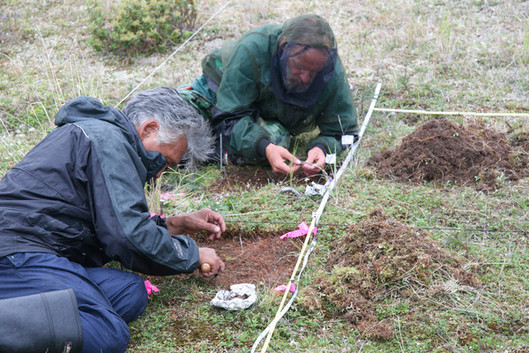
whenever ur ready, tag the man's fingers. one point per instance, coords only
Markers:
(315, 162)
(213, 229)
(217, 219)
(213, 236)
(310, 170)
(278, 157)
(217, 268)
(209, 258)
(209, 221)
(293, 168)
(285, 168)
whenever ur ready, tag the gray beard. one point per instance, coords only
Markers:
(292, 84)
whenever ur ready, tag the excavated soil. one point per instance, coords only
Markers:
(380, 258)
(255, 256)
(251, 256)
(441, 151)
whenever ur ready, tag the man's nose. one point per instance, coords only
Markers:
(305, 76)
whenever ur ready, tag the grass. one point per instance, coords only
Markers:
(435, 54)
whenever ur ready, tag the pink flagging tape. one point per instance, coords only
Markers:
(170, 196)
(303, 230)
(150, 288)
(283, 288)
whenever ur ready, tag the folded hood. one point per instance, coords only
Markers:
(87, 109)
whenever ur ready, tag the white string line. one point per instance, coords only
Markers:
(170, 56)
(453, 229)
(427, 112)
(268, 331)
(350, 154)
(294, 295)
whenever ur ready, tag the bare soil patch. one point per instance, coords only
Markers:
(250, 256)
(236, 179)
(441, 151)
(254, 257)
(380, 258)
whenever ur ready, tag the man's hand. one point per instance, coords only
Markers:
(315, 162)
(193, 222)
(209, 256)
(278, 156)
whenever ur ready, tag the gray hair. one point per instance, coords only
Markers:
(176, 118)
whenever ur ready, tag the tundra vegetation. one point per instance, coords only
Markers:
(423, 246)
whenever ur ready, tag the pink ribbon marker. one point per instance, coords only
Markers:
(170, 196)
(303, 230)
(156, 214)
(283, 288)
(150, 288)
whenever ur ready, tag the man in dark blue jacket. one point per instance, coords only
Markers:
(75, 202)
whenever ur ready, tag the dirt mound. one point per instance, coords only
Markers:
(381, 258)
(440, 151)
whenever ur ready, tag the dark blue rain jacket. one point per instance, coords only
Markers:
(80, 194)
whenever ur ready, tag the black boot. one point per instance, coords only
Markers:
(45, 322)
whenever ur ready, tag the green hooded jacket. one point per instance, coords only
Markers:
(242, 71)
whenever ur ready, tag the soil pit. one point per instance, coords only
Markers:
(441, 151)
(251, 256)
(380, 258)
(255, 177)
(254, 257)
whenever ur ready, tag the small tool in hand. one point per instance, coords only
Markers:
(205, 267)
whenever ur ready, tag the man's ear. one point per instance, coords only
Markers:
(148, 128)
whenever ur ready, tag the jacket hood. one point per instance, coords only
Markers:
(85, 109)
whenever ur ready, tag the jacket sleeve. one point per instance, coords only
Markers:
(115, 179)
(235, 115)
(338, 116)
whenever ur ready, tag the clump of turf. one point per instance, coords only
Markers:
(381, 258)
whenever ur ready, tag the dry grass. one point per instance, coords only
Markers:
(450, 55)
(470, 55)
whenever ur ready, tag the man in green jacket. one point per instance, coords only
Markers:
(275, 82)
